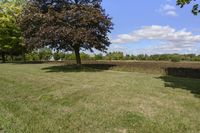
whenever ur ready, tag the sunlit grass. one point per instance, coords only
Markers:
(40, 98)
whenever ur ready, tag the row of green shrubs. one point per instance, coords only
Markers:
(47, 55)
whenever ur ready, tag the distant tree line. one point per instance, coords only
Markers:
(46, 54)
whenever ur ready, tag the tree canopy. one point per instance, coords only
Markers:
(10, 34)
(69, 25)
(195, 9)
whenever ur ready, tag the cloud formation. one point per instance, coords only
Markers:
(168, 10)
(170, 39)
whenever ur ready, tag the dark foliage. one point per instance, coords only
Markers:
(195, 9)
(72, 26)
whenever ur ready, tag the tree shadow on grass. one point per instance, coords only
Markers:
(183, 72)
(24, 63)
(81, 68)
(192, 85)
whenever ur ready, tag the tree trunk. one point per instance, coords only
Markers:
(12, 58)
(24, 55)
(3, 57)
(78, 58)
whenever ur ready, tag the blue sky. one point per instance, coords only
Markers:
(155, 27)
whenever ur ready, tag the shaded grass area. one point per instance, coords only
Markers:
(81, 68)
(183, 69)
(183, 72)
(191, 85)
(179, 69)
(52, 98)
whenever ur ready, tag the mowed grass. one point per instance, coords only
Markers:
(47, 98)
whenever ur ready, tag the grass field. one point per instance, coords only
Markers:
(48, 98)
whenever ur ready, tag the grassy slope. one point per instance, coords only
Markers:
(38, 100)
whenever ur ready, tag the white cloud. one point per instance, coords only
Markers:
(172, 40)
(169, 10)
(171, 13)
(117, 47)
(168, 7)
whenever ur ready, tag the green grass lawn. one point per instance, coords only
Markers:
(45, 98)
